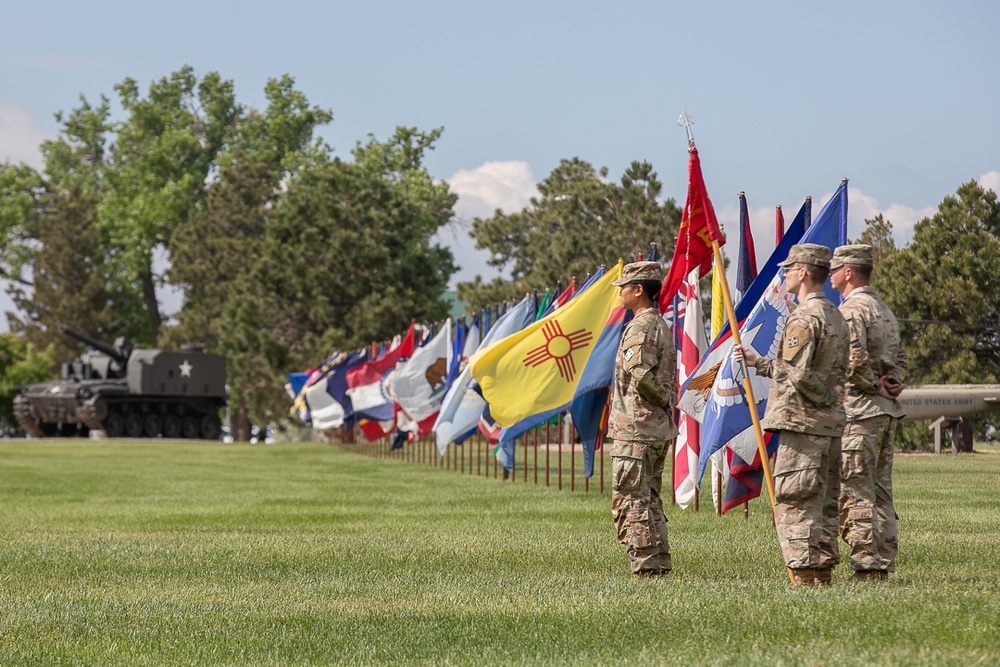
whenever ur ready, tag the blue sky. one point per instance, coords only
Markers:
(900, 97)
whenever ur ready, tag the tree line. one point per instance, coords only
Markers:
(284, 250)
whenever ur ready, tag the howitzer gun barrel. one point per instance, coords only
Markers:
(118, 355)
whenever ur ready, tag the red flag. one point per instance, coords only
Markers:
(490, 429)
(699, 227)
(366, 384)
(566, 295)
(374, 430)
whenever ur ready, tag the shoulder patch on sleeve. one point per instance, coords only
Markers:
(796, 336)
(631, 351)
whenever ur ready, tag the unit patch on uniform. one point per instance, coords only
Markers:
(797, 335)
(629, 353)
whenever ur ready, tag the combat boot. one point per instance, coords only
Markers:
(803, 576)
(824, 577)
(870, 575)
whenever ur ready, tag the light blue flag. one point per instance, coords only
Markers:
(462, 406)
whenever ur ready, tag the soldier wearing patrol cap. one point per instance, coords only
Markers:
(805, 405)
(874, 380)
(641, 422)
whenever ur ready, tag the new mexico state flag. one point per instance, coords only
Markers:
(539, 367)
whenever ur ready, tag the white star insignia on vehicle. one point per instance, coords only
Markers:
(186, 369)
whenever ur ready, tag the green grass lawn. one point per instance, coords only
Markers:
(166, 553)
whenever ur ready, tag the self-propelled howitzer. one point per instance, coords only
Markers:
(124, 390)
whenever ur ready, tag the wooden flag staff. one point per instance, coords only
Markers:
(747, 386)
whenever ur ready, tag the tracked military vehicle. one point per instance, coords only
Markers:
(126, 391)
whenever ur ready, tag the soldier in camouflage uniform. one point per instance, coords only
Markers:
(805, 406)
(874, 380)
(641, 422)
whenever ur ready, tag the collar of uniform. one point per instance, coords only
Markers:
(815, 295)
(642, 310)
(865, 289)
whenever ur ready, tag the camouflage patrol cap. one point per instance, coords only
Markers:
(639, 271)
(808, 253)
(859, 255)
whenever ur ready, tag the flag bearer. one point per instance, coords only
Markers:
(641, 422)
(806, 407)
(874, 380)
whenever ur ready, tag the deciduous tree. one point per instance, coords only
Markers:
(159, 170)
(346, 259)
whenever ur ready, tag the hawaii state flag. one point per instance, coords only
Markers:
(539, 368)
(690, 327)
(562, 299)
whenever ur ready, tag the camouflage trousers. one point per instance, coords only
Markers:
(867, 516)
(806, 495)
(636, 506)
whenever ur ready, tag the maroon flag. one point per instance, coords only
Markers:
(779, 225)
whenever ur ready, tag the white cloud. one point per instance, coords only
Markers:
(508, 186)
(20, 135)
(991, 181)
(863, 207)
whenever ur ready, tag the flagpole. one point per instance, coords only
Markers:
(747, 386)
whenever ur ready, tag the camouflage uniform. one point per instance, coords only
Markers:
(641, 424)
(867, 515)
(802, 406)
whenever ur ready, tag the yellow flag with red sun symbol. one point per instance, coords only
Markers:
(539, 367)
